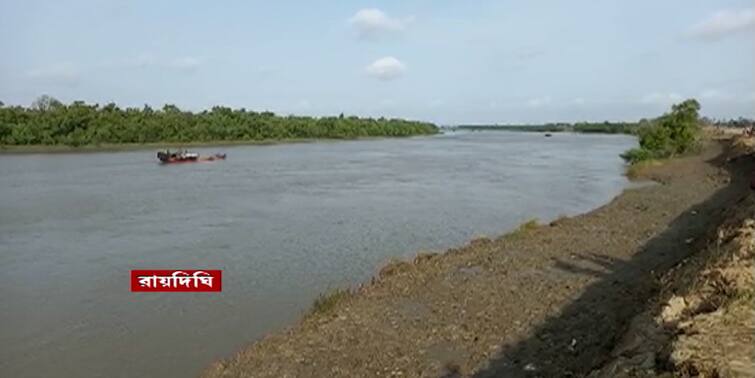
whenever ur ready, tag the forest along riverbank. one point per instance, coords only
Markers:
(51, 123)
(547, 300)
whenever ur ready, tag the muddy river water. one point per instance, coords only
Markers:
(283, 222)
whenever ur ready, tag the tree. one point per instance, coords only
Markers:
(682, 125)
(46, 103)
(49, 122)
(673, 133)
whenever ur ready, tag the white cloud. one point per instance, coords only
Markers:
(723, 23)
(539, 102)
(185, 63)
(371, 23)
(387, 68)
(578, 101)
(664, 99)
(65, 74)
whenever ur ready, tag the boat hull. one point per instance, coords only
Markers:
(179, 159)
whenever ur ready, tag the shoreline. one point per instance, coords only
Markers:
(488, 308)
(122, 147)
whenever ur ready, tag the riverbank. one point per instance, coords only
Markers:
(702, 322)
(63, 149)
(545, 300)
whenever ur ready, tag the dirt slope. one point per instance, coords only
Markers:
(703, 322)
(549, 300)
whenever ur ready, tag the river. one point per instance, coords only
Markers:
(283, 222)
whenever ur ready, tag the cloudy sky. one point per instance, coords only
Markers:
(448, 61)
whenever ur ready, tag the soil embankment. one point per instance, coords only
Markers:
(548, 300)
(703, 321)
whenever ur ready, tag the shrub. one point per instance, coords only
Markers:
(674, 133)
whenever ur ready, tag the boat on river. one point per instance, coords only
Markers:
(183, 156)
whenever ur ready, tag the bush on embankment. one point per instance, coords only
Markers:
(674, 133)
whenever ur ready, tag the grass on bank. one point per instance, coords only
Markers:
(523, 229)
(326, 302)
(638, 169)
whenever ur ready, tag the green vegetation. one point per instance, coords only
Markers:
(51, 123)
(672, 134)
(579, 127)
(325, 303)
(640, 168)
(529, 225)
(523, 229)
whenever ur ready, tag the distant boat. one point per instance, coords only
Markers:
(548, 134)
(167, 157)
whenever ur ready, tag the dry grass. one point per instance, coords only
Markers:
(326, 302)
(480, 240)
(393, 267)
(424, 256)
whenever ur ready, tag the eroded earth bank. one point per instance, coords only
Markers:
(658, 281)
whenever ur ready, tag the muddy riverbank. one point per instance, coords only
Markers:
(545, 300)
(702, 323)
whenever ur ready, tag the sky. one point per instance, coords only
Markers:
(445, 61)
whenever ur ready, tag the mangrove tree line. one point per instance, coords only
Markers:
(579, 127)
(50, 122)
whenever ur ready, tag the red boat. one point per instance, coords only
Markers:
(180, 156)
